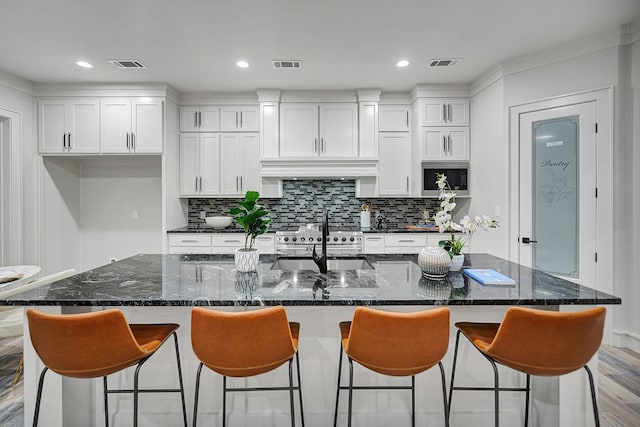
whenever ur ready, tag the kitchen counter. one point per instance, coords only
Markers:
(187, 280)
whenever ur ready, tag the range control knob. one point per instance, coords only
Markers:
(319, 239)
(352, 239)
(286, 239)
(302, 239)
(344, 239)
(293, 239)
(311, 239)
(335, 239)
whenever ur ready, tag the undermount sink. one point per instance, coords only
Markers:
(333, 263)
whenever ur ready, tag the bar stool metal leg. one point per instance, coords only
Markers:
(39, 397)
(184, 406)
(453, 372)
(444, 395)
(135, 392)
(413, 401)
(526, 401)
(195, 399)
(335, 414)
(593, 396)
(300, 387)
(224, 400)
(293, 418)
(496, 390)
(350, 392)
(106, 401)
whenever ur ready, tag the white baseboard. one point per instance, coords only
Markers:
(626, 339)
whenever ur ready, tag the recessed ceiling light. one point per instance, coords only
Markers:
(84, 64)
(242, 64)
(403, 63)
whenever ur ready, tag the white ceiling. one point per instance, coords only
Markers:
(344, 44)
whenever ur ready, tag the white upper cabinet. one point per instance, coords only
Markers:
(199, 164)
(240, 119)
(199, 119)
(240, 163)
(318, 130)
(394, 118)
(69, 126)
(444, 112)
(395, 164)
(131, 126)
(444, 143)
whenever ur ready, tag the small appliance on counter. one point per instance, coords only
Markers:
(365, 216)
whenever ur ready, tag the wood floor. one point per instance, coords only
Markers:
(618, 380)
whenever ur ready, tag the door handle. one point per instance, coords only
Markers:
(128, 143)
(200, 180)
(444, 143)
(240, 119)
(527, 240)
(69, 140)
(196, 184)
(236, 119)
(315, 145)
(444, 112)
(195, 118)
(449, 113)
(241, 185)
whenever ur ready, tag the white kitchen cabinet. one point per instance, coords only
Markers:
(373, 243)
(70, 126)
(443, 112)
(239, 163)
(404, 243)
(444, 143)
(199, 118)
(131, 126)
(318, 130)
(394, 166)
(240, 119)
(227, 243)
(199, 164)
(394, 118)
(189, 243)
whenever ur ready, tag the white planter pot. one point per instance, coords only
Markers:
(247, 259)
(456, 262)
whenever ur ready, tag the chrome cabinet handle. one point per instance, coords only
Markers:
(374, 238)
(133, 140)
(64, 140)
(240, 119)
(407, 183)
(69, 140)
(444, 112)
(200, 183)
(232, 241)
(199, 118)
(406, 241)
(236, 119)
(449, 114)
(195, 120)
(322, 145)
(407, 118)
(189, 241)
(196, 184)
(128, 143)
(236, 184)
(315, 145)
(444, 143)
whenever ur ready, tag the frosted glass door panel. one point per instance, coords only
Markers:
(555, 204)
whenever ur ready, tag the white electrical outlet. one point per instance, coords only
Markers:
(497, 211)
(203, 214)
(134, 215)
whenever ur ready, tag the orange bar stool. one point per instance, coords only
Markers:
(244, 344)
(97, 344)
(535, 342)
(395, 344)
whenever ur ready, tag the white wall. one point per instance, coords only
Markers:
(16, 95)
(488, 151)
(633, 322)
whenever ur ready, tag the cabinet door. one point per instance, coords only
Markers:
(433, 143)
(52, 126)
(147, 127)
(393, 118)
(458, 144)
(339, 130)
(229, 119)
(250, 158)
(189, 174)
(394, 164)
(230, 163)
(209, 164)
(189, 119)
(458, 114)
(298, 130)
(250, 119)
(115, 126)
(374, 243)
(84, 126)
(209, 119)
(433, 112)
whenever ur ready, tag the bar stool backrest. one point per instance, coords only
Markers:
(241, 344)
(86, 345)
(547, 343)
(398, 344)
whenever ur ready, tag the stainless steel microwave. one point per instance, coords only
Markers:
(457, 175)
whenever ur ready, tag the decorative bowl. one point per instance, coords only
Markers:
(218, 221)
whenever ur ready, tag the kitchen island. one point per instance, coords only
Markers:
(163, 288)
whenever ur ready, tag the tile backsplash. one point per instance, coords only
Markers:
(303, 202)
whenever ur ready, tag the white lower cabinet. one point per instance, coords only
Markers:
(189, 243)
(404, 243)
(216, 243)
(373, 243)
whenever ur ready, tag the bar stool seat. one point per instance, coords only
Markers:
(394, 344)
(244, 344)
(534, 342)
(98, 344)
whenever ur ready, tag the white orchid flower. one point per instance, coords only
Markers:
(442, 182)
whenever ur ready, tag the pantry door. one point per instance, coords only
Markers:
(558, 181)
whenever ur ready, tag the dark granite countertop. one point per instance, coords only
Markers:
(237, 229)
(187, 280)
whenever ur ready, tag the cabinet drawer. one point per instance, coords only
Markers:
(405, 240)
(182, 239)
(189, 249)
(374, 244)
(235, 240)
(266, 244)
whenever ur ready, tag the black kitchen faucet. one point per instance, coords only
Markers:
(321, 261)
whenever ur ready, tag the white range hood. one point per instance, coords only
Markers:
(319, 168)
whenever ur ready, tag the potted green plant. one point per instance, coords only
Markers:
(254, 219)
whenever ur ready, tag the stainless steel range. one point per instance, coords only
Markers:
(299, 241)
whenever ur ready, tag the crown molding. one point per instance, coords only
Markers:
(486, 80)
(18, 83)
(104, 89)
(439, 91)
(220, 98)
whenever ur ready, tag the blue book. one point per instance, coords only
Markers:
(487, 276)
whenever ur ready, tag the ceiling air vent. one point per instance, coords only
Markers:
(127, 63)
(286, 64)
(443, 62)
